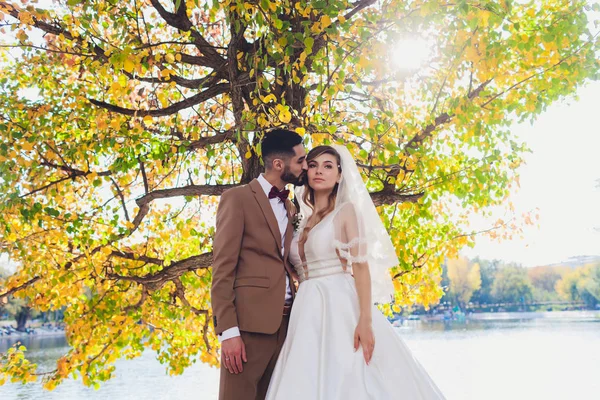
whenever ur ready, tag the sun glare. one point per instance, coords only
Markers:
(411, 53)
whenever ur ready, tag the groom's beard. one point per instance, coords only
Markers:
(289, 177)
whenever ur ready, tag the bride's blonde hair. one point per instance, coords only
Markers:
(309, 194)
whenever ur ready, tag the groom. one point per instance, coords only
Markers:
(252, 288)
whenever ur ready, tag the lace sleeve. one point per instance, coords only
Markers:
(350, 241)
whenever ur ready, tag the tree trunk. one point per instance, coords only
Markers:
(21, 318)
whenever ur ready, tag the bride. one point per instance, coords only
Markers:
(339, 346)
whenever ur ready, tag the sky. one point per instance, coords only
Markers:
(562, 179)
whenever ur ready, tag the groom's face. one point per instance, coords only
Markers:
(295, 168)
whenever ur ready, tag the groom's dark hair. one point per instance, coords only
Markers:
(279, 143)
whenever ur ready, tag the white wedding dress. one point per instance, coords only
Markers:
(318, 361)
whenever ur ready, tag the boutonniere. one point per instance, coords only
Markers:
(296, 219)
(294, 214)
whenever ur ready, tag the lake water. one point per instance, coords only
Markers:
(498, 356)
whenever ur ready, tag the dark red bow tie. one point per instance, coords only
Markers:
(283, 195)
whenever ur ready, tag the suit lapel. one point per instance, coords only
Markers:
(267, 210)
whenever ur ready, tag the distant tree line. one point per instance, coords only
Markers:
(483, 283)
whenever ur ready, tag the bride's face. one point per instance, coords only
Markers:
(323, 173)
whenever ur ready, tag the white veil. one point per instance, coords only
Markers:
(368, 239)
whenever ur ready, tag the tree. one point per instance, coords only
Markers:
(487, 270)
(17, 308)
(581, 284)
(512, 285)
(465, 279)
(146, 111)
(21, 311)
(544, 281)
(545, 278)
(4, 273)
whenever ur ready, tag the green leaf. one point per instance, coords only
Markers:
(309, 42)
(391, 147)
(51, 211)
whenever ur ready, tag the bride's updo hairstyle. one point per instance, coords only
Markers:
(309, 194)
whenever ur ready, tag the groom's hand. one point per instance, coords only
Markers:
(233, 352)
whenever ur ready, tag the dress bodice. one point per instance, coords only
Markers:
(319, 250)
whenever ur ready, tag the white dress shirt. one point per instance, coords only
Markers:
(282, 220)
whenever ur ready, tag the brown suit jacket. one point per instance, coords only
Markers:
(248, 281)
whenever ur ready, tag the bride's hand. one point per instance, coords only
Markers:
(363, 335)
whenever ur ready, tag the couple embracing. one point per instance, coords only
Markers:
(324, 340)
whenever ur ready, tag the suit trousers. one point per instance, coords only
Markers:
(262, 351)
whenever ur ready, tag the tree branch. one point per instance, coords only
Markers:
(144, 177)
(362, 4)
(20, 287)
(52, 29)
(175, 270)
(217, 138)
(190, 190)
(122, 197)
(440, 120)
(139, 303)
(73, 172)
(180, 292)
(174, 108)
(181, 21)
(387, 197)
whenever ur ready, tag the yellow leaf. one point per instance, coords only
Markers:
(300, 131)
(25, 17)
(325, 21)
(62, 367)
(21, 35)
(26, 145)
(170, 58)
(269, 98)
(285, 116)
(363, 62)
(129, 65)
(484, 18)
(163, 99)
(472, 54)
(148, 119)
(248, 154)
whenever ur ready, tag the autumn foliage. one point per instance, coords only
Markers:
(123, 121)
